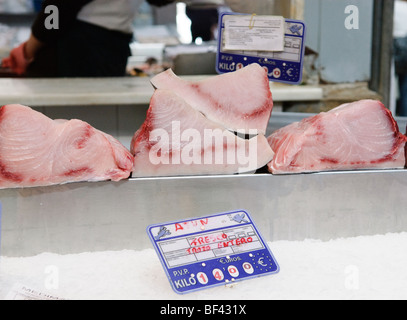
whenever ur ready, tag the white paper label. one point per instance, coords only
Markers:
(22, 292)
(254, 33)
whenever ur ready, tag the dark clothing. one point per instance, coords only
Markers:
(44, 64)
(402, 103)
(160, 3)
(78, 49)
(91, 51)
(68, 11)
(202, 22)
(400, 58)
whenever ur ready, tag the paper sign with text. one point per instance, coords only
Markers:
(254, 33)
(210, 251)
(23, 292)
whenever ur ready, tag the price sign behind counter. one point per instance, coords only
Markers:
(211, 251)
(275, 43)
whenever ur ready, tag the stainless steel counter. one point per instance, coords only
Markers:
(82, 217)
(62, 92)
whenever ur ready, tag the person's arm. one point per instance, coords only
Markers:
(32, 46)
(21, 56)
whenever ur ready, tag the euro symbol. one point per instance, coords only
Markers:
(261, 262)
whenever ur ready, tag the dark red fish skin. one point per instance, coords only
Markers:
(331, 161)
(405, 152)
(144, 132)
(89, 131)
(78, 172)
(264, 110)
(10, 176)
(267, 108)
(1, 112)
(399, 140)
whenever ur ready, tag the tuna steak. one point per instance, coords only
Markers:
(177, 140)
(359, 135)
(240, 101)
(38, 151)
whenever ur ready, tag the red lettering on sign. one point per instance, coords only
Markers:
(225, 244)
(212, 238)
(191, 224)
(243, 241)
(198, 249)
(236, 242)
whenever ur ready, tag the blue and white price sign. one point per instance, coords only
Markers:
(275, 43)
(210, 251)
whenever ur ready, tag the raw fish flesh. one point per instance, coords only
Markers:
(38, 151)
(240, 101)
(177, 140)
(359, 135)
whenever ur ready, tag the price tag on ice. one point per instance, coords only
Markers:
(275, 43)
(210, 251)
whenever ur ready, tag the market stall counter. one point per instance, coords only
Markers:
(103, 216)
(61, 92)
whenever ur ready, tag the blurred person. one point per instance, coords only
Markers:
(260, 7)
(400, 53)
(92, 40)
(204, 16)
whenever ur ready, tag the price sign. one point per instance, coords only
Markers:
(275, 43)
(210, 251)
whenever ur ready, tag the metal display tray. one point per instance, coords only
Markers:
(104, 216)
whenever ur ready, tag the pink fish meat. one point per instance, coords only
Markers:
(359, 135)
(38, 151)
(240, 101)
(177, 140)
